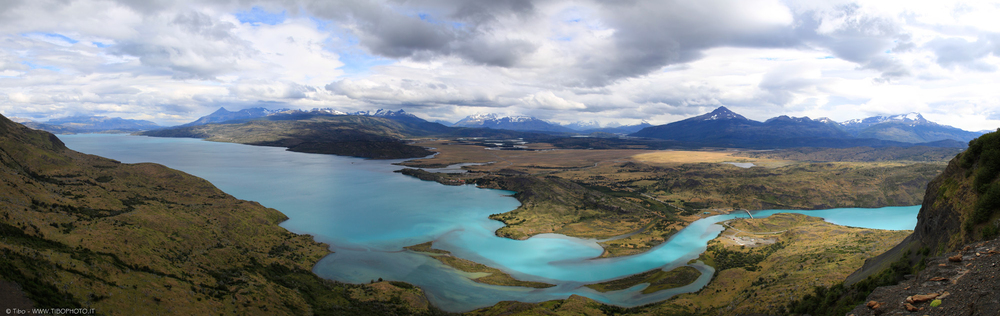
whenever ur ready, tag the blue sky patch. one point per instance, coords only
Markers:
(357, 62)
(257, 16)
(37, 66)
(54, 38)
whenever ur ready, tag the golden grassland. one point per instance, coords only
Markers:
(701, 156)
(493, 276)
(796, 186)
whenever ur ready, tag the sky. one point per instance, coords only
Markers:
(621, 61)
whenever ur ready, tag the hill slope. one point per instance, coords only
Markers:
(347, 135)
(223, 115)
(961, 205)
(84, 231)
(960, 210)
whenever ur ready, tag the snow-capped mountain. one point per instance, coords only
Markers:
(223, 115)
(910, 128)
(384, 113)
(583, 126)
(514, 123)
(826, 120)
(909, 118)
(330, 111)
(720, 113)
(723, 127)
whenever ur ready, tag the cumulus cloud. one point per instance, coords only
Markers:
(567, 60)
(955, 51)
(549, 101)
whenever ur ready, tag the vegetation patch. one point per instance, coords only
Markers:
(657, 279)
(765, 279)
(495, 276)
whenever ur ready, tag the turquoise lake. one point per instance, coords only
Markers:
(368, 214)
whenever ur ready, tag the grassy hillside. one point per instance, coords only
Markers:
(961, 206)
(84, 231)
(760, 272)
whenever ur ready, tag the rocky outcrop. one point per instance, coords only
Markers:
(957, 283)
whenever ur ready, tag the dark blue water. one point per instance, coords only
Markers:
(368, 214)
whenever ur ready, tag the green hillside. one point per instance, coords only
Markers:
(78, 230)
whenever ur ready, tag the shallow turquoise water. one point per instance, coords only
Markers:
(367, 214)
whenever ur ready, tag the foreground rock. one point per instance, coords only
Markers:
(967, 287)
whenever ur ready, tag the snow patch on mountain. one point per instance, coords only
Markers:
(911, 119)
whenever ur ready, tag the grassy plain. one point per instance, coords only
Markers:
(704, 156)
(493, 276)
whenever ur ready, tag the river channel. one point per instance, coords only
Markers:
(368, 214)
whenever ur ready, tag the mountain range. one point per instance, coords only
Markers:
(514, 123)
(911, 128)
(725, 128)
(91, 124)
(531, 124)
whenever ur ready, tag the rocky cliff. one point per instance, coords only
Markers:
(960, 211)
(960, 206)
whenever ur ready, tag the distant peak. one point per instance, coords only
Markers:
(720, 113)
(721, 109)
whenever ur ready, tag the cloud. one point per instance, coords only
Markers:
(190, 44)
(954, 51)
(568, 60)
(549, 101)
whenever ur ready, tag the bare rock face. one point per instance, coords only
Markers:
(945, 287)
